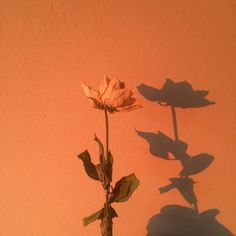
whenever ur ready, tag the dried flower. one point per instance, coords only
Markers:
(111, 96)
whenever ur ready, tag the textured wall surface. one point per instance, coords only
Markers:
(48, 47)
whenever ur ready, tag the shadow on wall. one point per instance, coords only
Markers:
(162, 146)
(175, 220)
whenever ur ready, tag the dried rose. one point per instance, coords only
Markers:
(111, 96)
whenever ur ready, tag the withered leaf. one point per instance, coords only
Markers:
(109, 166)
(100, 215)
(106, 221)
(124, 188)
(90, 168)
(101, 149)
(95, 216)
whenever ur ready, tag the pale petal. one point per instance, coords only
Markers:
(103, 86)
(118, 97)
(128, 108)
(130, 105)
(89, 92)
(113, 86)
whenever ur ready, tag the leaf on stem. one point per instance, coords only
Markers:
(105, 167)
(101, 149)
(101, 173)
(95, 216)
(109, 166)
(100, 215)
(90, 168)
(106, 221)
(124, 188)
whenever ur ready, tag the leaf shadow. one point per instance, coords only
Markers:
(161, 146)
(185, 186)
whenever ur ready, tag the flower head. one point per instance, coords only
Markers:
(111, 96)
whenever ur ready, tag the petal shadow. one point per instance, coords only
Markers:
(180, 94)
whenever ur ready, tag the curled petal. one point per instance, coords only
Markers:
(112, 96)
(129, 105)
(103, 86)
(128, 108)
(113, 86)
(89, 92)
(118, 98)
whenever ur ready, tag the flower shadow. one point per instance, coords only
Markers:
(179, 94)
(176, 220)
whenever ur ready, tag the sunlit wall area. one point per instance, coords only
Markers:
(47, 48)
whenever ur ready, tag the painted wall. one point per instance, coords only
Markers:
(48, 47)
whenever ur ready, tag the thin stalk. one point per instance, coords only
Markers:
(106, 224)
(174, 122)
(107, 134)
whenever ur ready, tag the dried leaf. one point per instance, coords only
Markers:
(100, 215)
(101, 149)
(106, 222)
(90, 168)
(95, 216)
(109, 166)
(105, 166)
(124, 188)
(100, 171)
(112, 212)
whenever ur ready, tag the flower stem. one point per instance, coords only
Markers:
(107, 135)
(106, 224)
(174, 122)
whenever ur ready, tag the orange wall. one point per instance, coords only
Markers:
(48, 47)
